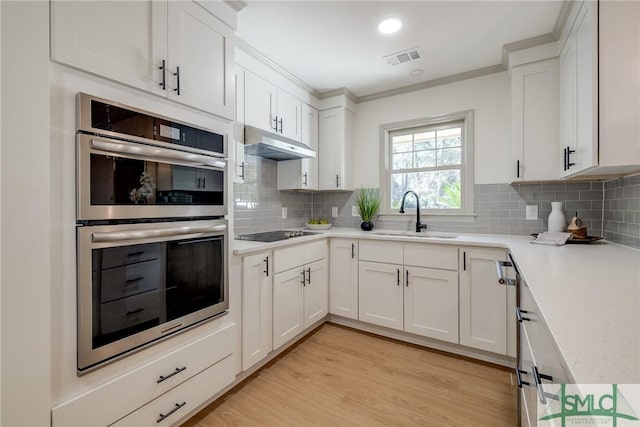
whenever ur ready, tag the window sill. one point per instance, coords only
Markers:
(431, 217)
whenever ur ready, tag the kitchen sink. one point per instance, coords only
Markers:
(423, 235)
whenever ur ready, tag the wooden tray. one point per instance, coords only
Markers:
(586, 240)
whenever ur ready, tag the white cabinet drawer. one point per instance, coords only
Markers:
(377, 251)
(315, 251)
(295, 256)
(122, 395)
(544, 350)
(287, 258)
(431, 256)
(171, 407)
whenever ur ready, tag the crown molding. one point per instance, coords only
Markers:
(251, 51)
(479, 72)
(236, 5)
(342, 91)
(567, 5)
(524, 44)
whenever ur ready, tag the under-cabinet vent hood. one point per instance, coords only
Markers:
(272, 146)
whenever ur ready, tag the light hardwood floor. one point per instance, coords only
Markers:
(342, 377)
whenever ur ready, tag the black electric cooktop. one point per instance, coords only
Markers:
(274, 236)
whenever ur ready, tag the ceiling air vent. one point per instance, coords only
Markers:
(404, 56)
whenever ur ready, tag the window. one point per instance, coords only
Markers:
(434, 159)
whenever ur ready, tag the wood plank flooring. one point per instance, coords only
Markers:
(342, 377)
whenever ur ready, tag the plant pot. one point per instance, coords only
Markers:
(366, 226)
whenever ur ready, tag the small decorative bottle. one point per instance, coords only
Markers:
(557, 221)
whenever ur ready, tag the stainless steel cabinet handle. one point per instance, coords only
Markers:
(275, 123)
(177, 74)
(353, 250)
(501, 277)
(308, 276)
(538, 378)
(242, 168)
(162, 417)
(176, 372)
(304, 277)
(305, 182)
(163, 67)
(337, 181)
(280, 120)
(154, 233)
(140, 150)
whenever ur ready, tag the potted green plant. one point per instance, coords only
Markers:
(368, 202)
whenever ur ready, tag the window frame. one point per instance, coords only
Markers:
(466, 167)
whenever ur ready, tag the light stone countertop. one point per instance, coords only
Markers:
(588, 294)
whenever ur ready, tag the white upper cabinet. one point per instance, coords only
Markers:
(335, 149)
(272, 109)
(534, 121)
(579, 95)
(619, 68)
(200, 59)
(302, 174)
(143, 44)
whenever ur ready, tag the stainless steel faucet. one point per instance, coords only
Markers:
(418, 225)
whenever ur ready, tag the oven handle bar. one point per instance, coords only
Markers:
(154, 233)
(122, 147)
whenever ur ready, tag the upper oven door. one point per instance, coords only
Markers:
(121, 180)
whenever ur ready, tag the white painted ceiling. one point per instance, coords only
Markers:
(335, 44)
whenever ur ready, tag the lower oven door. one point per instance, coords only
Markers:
(138, 283)
(119, 179)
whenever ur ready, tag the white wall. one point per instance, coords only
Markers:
(25, 214)
(488, 96)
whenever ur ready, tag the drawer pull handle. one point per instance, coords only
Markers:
(162, 417)
(132, 254)
(519, 378)
(520, 317)
(538, 378)
(501, 277)
(132, 312)
(137, 279)
(177, 371)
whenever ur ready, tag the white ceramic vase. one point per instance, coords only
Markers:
(557, 220)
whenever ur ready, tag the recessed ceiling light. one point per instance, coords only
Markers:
(389, 26)
(417, 72)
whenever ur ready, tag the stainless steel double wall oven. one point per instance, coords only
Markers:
(152, 237)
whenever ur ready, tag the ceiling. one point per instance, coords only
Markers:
(330, 45)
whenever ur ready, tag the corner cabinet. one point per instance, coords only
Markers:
(579, 91)
(302, 174)
(177, 50)
(534, 121)
(343, 278)
(272, 109)
(335, 149)
(300, 289)
(486, 307)
(257, 306)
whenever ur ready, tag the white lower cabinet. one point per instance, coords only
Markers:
(300, 289)
(418, 296)
(171, 407)
(343, 278)
(381, 294)
(431, 303)
(486, 306)
(257, 293)
(155, 380)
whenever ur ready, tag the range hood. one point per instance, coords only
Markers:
(272, 146)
